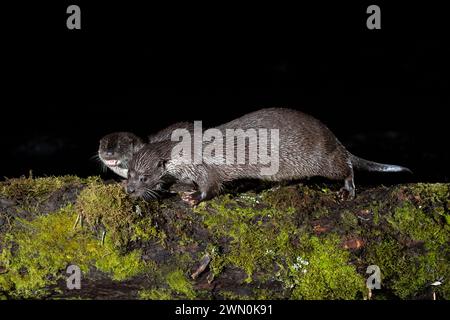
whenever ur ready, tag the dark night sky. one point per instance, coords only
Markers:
(384, 93)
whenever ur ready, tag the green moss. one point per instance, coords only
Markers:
(283, 198)
(169, 280)
(376, 213)
(389, 256)
(413, 222)
(447, 218)
(155, 294)
(348, 220)
(249, 198)
(109, 206)
(230, 295)
(431, 192)
(322, 271)
(420, 272)
(270, 246)
(144, 229)
(320, 213)
(178, 283)
(433, 196)
(253, 244)
(266, 235)
(408, 272)
(29, 193)
(120, 267)
(37, 253)
(36, 187)
(413, 249)
(217, 262)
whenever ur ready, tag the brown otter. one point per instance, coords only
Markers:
(116, 149)
(306, 148)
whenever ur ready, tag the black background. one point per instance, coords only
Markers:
(138, 68)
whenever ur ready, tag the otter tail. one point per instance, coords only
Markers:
(367, 165)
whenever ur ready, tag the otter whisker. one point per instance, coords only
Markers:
(148, 192)
(149, 195)
(153, 193)
(95, 157)
(146, 196)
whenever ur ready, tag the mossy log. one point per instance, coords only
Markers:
(295, 241)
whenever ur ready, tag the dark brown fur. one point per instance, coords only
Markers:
(119, 147)
(116, 149)
(307, 148)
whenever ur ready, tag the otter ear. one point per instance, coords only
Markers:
(162, 163)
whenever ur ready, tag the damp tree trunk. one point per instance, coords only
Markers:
(295, 241)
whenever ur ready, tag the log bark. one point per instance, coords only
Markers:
(295, 241)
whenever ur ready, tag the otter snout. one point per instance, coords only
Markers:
(130, 189)
(134, 186)
(140, 184)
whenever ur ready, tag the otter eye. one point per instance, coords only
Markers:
(161, 163)
(143, 179)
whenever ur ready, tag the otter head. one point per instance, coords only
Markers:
(116, 150)
(147, 172)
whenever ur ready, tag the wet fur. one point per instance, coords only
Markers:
(123, 145)
(307, 148)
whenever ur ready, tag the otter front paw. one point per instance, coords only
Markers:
(192, 198)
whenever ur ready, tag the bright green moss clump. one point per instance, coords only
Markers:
(37, 249)
(109, 206)
(171, 283)
(253, 243)
(265, 238)
(30, 193)
(38, 252)
(32, 188)
(412, 221)
(413, 250)
(155, 294)
(178, 282)
(323, 272)
(406, 274)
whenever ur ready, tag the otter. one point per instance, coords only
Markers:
(116, 149)
(306, 148)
